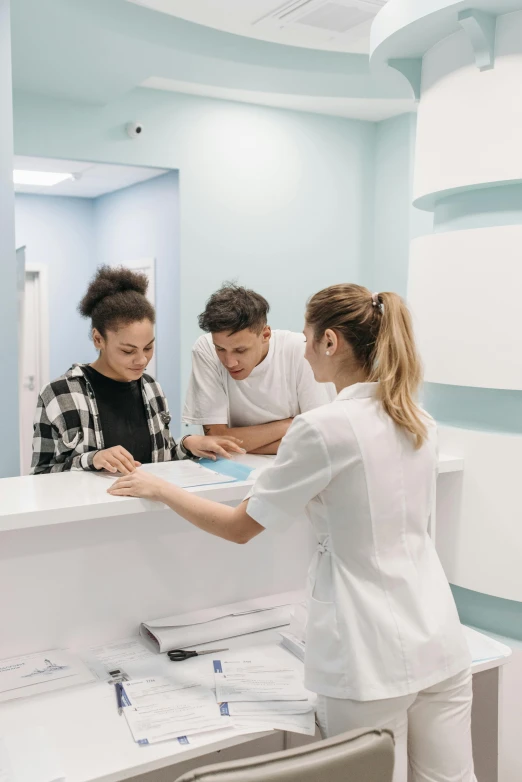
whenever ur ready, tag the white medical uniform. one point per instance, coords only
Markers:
(280, 387)
(382, 623)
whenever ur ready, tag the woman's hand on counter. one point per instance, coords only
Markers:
(212, 447)
(138, 484)
(115, 459)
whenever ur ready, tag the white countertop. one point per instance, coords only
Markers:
(57, 498)
(94, 743)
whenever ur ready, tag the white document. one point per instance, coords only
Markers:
(251, 665)
(26, 756)
(41, 672)
(184, 631)
(118, 653)
(157, 709)
(263, 708)
(262, 686)
(294, 723)
(186, 473)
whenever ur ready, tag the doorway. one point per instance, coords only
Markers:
(34, 355)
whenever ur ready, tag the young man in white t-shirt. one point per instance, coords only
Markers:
(248, 381)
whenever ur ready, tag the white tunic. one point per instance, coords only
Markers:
(382, 621)
(281, 386)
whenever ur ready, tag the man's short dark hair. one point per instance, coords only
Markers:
(233, 308)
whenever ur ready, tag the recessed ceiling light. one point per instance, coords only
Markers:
(39, 178)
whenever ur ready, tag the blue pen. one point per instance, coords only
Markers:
(119, 696)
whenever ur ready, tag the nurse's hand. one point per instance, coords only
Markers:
(212, 447)
(115, 459)
(138, 484)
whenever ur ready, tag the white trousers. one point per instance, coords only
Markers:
(432, 729)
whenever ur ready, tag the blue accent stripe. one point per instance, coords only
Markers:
(483, 409)
(239, 472)
(493, 614)
(217, 666)
(490, 206)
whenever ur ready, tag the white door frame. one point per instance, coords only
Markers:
(41, 270)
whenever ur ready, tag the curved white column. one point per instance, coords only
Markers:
(469, 122)
(465, 61)
(463, 288)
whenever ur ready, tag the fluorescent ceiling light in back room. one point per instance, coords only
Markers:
(39, 178)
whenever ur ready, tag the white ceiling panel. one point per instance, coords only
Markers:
(91, 179)
(330, 25)
(352, 108)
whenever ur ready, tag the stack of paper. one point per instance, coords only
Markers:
(294, 645)
(41, 672)
(262, 695)
(214, 624)
(158, 709)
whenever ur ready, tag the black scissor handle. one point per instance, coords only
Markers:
(178, 655)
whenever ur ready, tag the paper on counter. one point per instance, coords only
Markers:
(186, 474)
(41, 672)
(294, 723)
(27, 756)
(262, 686)
(157, 708)
(119, 653)
(262, 708)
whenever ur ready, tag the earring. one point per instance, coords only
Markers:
(327, 352)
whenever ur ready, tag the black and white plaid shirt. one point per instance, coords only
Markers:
(67, 431)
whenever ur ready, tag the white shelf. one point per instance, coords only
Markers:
(450, 463)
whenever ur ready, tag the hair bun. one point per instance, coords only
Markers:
(109, 281)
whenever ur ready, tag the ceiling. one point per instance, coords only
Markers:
(95, 53)
(94, 179)
(353, 108)
(331, 25)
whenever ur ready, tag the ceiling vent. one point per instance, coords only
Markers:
(336, 16)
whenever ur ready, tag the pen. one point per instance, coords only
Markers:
(119, 696)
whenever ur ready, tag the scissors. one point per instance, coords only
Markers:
(177, 655)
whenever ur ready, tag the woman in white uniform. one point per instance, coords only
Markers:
(384, 644)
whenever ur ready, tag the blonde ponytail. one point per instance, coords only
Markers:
(379, 330)
(397, 367)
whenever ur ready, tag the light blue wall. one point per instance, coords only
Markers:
(59, 233)
(138, 222)
(9, 456)
(280, 200)
(392, 205)
(396, 221)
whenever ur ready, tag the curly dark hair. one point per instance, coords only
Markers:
(233, 308)
(116, 297)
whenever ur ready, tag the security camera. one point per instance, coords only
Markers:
(134, 129)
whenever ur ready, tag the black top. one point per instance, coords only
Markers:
(122, 414)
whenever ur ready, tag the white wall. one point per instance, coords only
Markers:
(9, 456)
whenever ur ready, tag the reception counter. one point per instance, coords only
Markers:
(80, 568)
